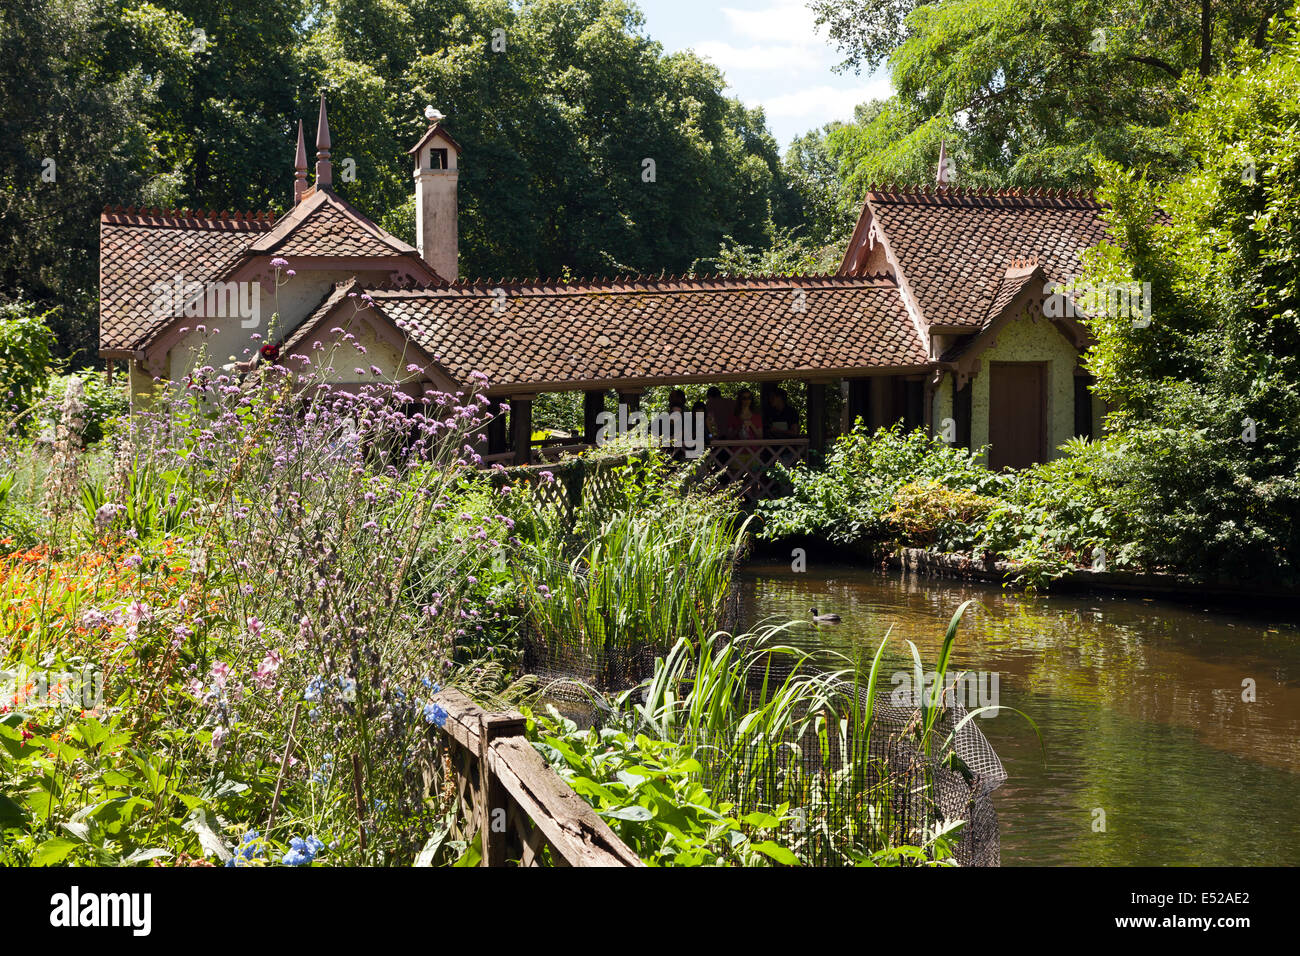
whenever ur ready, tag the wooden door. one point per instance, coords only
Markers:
(1017, 414)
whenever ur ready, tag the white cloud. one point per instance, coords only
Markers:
(758, 57)
(782, 22)
(816, 105)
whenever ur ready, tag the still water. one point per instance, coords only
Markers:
(1139, 703)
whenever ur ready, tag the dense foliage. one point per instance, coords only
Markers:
(1208, 395)
(1027, 91)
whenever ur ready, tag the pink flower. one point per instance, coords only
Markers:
(220, 674)
(254, 626)
(265, 674)
(196, 688)
(218, 735)
(136, 612)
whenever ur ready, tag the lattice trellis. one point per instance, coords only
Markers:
(749, 464)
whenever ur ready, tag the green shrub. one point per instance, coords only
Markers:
(26, 342)
(848, 500)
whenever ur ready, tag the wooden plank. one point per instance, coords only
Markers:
(577, 835)
(494, 808)
(463, 718)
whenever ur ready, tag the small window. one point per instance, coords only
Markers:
(437, 159)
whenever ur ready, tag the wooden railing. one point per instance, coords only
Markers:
(748, 462)
(511, 799)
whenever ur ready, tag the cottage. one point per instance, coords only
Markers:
(940, 314)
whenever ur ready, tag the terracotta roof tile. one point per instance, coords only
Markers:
(139, 247)
(553, 334)
(323, 224)
(953, 245)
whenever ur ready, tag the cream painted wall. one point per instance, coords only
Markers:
(1030, 340)
(942, 407)
(1025, 340)
(230, 339)
(339, 358)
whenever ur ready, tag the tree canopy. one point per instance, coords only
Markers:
(587, 148)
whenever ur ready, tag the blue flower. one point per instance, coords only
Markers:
(434, 714)
(250, 846)
(301, 852)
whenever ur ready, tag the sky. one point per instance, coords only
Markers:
(772, 55)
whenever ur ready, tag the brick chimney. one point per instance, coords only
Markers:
(436, 161)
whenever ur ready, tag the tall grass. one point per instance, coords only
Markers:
(647, 577)
(771, 728)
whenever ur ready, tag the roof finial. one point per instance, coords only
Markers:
(300, 168)
(943, 175)
(324, 169)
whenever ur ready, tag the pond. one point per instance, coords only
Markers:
(1139, 703)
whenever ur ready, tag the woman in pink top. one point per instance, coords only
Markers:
(746, 422)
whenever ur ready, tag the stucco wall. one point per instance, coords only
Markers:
(339, 358)
(942, 407)
(230, 339)
(1030, 340)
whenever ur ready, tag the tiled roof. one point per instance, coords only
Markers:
(952, 245)
(545, 333)
(1019, 274)
(139, 247)
(323, 224)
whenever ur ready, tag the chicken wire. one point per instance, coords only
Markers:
(883, 790)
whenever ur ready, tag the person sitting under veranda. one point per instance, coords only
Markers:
(718, 412)
(779, 419)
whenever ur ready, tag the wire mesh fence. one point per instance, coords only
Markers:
(853, 786)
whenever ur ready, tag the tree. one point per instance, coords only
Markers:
(1027, 91)
(72, 131)
(1207, 396)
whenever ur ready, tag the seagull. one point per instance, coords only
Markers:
(432, 115)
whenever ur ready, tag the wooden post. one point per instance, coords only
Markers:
(631, 399)
(493, 811)
(593, 403)
(505, 789)
(496, 433)
(521, 429)
(816, 420)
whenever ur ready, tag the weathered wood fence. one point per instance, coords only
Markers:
(510, 799)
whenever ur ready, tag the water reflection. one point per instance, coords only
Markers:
(1139, 702)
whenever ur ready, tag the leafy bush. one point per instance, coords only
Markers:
(1207, 395)
(650, 792)
(927, 514)
(850, 498)
(103, 403)
(26, 342)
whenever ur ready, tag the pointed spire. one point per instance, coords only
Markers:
(300, 169)
(324, 168)
(941, 174)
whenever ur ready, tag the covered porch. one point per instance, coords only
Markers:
(826, 407)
